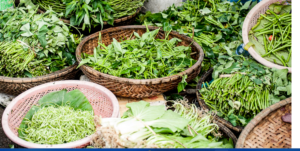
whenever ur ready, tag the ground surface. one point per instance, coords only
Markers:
(4, 141)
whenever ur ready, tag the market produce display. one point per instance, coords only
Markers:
(145, 126)
(34, 44)
(60, 117)
(91, 13)
(214, 24)
(272, 35)
(250, 88)
(143, 57)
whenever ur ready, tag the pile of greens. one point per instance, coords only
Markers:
(272, 35)
(60, 117)
(143, 57)
(145, 126)
(250, 88)
(88, 13)
(216, 25)
(34, 44)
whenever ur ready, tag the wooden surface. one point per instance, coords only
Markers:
(156, 100)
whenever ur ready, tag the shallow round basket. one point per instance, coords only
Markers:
(267, 130)
(102, 100)
(205, 78)
(15, 86)
(133, 88)
(250, 21)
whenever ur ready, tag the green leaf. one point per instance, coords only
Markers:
(42, 35)
(170, 120)
(26, 28)
(246, 5)
(142, 110)
(204, 11)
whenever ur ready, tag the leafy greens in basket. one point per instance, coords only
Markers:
(144, 57)
(59, 118)
(41, 39)
(145, 126)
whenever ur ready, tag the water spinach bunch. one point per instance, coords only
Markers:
(242, 88)
(272, 35)
(145, 126)
(141, 57)
(125, 7)
(45, 40)
(88, 13)
(214, 24)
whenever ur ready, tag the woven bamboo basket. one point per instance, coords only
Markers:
(204, 78)
(133, 88)
(15, 86)
(267, 130)
(250, 21)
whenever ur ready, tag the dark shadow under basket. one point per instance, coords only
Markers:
(267, 130)
(15, 86)
(205, 78)
(133, 88)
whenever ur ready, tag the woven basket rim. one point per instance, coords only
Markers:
(245, 35)
(198, 94)
(52, 75)
(258, 118)
(78, 143)
(139, 81)
(104, 23)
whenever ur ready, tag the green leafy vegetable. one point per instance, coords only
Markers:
(144, 57)
(145, 126)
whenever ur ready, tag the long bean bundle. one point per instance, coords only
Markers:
(272, 35)
(125, 7)
(237, 95)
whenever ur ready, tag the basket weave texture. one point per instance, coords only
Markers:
(250, 21)
(133, 88)
(267, 130)
(102, 100)
(15, 86)
(202, 103)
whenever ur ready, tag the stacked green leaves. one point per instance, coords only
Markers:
(272, 35)
(34, 44)
(145, 126)
(250, 88)
(59, 118)
(144, 57)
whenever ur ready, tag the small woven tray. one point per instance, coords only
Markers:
(133, 88)
(267, 130)
(202, 103)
